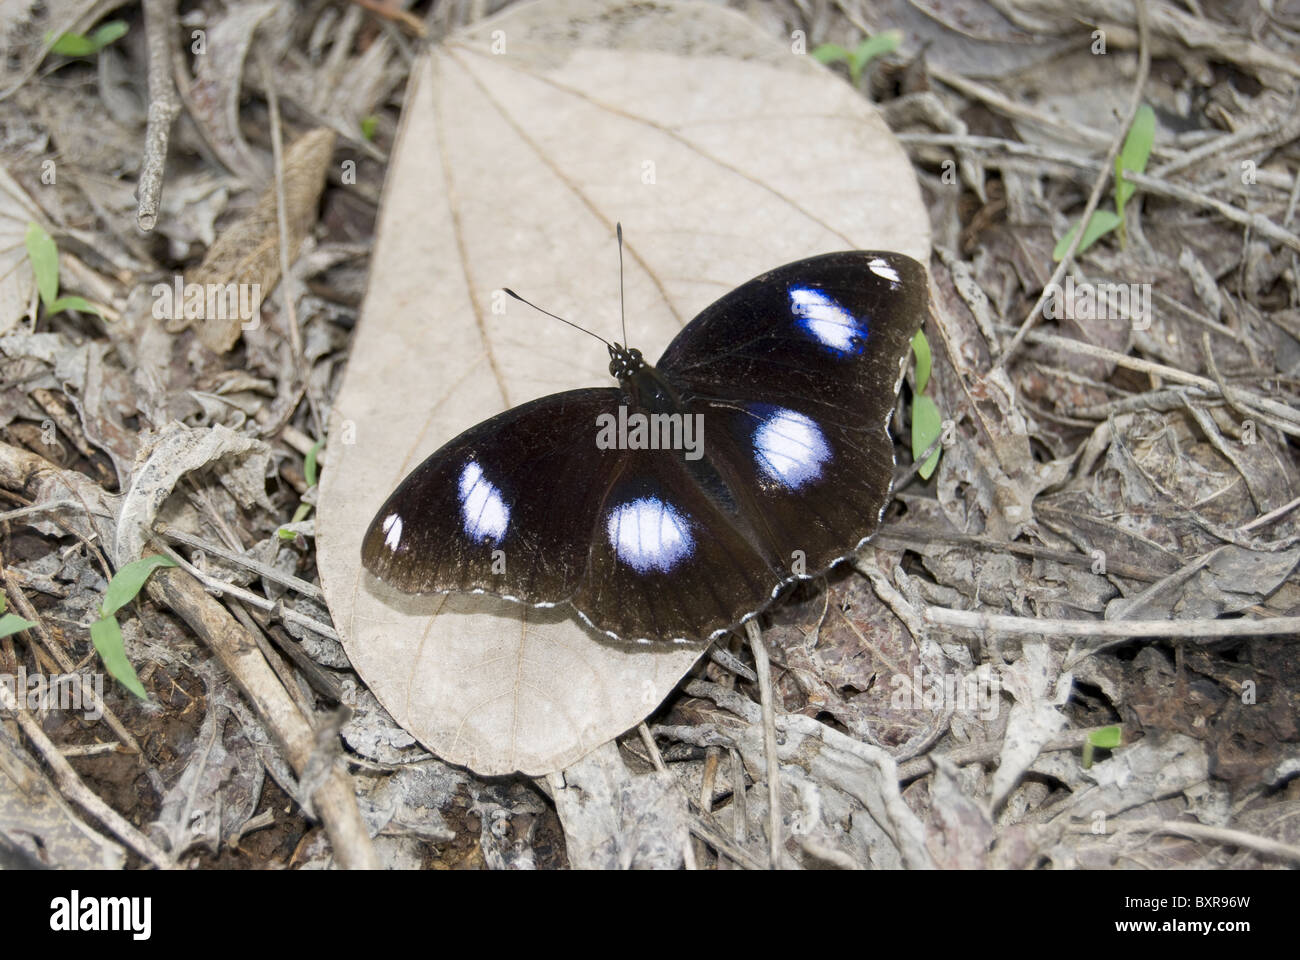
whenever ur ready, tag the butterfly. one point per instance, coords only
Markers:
(681, 503)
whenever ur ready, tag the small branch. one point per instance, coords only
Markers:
(1224, 835)
(1279, 415)
(763, 667)
(334, 799)
(261, 569)
(286, 263)
(160, 27)
(74, 788)
(1182, 629)
(262, 603)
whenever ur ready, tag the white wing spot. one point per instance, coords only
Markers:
(790, 448)
(484, 513)
(649, 534)
(828, 322)
(884, 270)
(392, 531)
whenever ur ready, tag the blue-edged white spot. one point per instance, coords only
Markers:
(392, 531)
(648, 534)
(885, 270)
(826, 321)
(484, 513)
(789, 447)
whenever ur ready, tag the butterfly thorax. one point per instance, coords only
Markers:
(645, 388)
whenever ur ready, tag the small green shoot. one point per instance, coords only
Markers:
(1107, 738)
(309, 464)
(921, 348)
(310, 472)
(106, 633)
(927, 422)
(11, 623)
(45, 264)
(369, 123)
(1133, 155)
(863, 54)
(80, 45)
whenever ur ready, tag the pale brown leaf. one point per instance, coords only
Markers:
(724, 154)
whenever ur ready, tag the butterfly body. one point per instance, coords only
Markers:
(680, 503)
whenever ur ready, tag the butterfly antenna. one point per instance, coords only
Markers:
(618, 227)
(561, 319)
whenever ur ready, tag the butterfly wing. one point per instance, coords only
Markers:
(504, 508)
(796, 373)
(530, 506)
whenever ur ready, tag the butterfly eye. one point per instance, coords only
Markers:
(635, 354)
(613, 368)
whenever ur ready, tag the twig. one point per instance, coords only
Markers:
(1184, 629)
(1224, 835)
(989, 751)
(1144, 68)
(657, 758)
(1271, 515)
(1260, 224)
(262, 603)
(729, 662)
(763, 667)
(397, 15)
(261, 569)
(286, 273)
(1283, 418)
(334, 799)
(159, 26)
(83, 796)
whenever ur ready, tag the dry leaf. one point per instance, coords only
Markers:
(723, 154)
(175, 451)
(248, 252)
(213, 97)
(17, 279)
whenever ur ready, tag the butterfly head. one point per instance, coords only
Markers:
(624, 361)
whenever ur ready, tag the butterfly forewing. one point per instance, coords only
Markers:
(828, 332)
(507, 507)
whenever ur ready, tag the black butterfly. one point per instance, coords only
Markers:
(775, 404)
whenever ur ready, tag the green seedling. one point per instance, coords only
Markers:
(860, 56)
(1107, 738)
(106, 633)
(45, 264)
(369, 124)
(1132, 156)
(309, 471)
(81, 45)
(11, 623)
(927, 422)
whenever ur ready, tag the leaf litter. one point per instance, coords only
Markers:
(1073, 484)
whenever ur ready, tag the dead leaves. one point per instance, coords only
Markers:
(247, 254)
